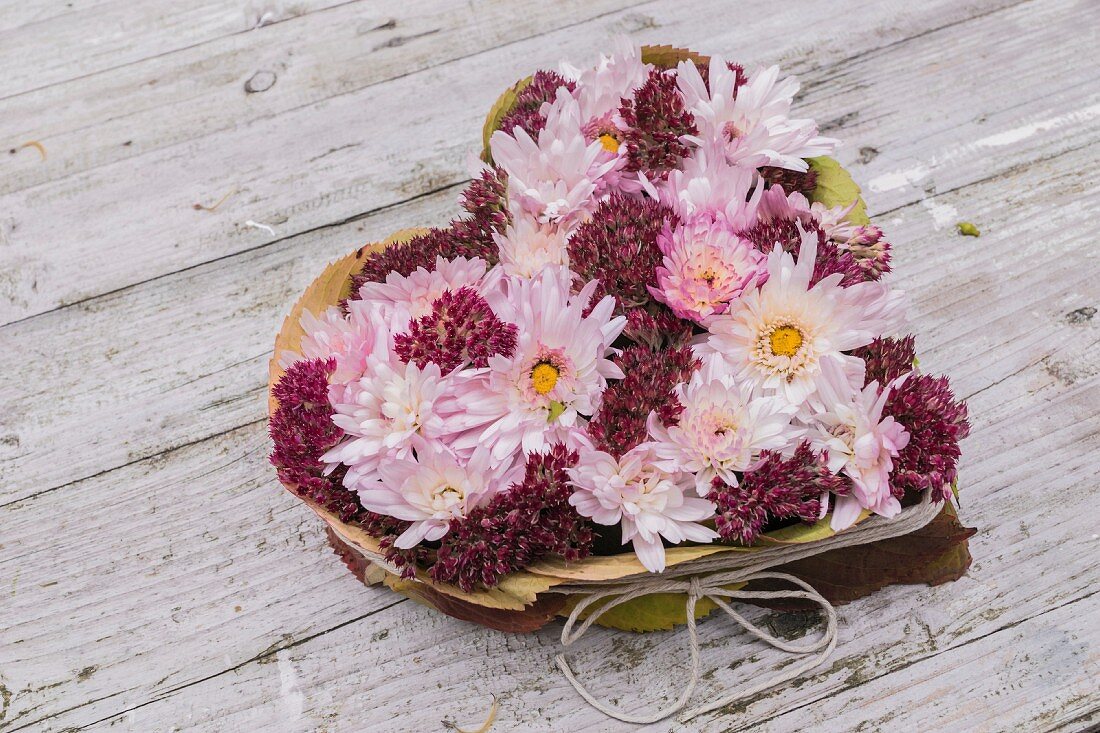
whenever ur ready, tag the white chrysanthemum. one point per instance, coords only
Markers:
(753, 122)
(384, 413)
(403, 299)
(775, 337)
(433, 488)
(722, 428)
(848, 423)
(555, 178)
(647, 501)
(556, 374)
(527, 246)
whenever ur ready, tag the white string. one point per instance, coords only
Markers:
(739, 568)
(710, 577)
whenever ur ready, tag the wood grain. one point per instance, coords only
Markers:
(155, 577)
(335, 158)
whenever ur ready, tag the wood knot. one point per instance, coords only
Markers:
(261, 81)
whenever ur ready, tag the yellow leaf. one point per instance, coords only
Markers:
(668, 57)
(330, 287)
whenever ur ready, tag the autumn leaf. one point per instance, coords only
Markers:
(935, 554)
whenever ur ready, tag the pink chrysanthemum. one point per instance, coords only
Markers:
(461, 331)
(402, 299)
(648, 502)
(751, 119)
(601, 89)
(774, 488)
(848, 423)
(542, 392)
(936, 422)
(554, 178)
(617, 247)
(348, 338)
(530, 521)
(705, 266)
(720, 429)
(708, 186)
(656, 121)
(433, 488)
(386, 411)
(527, 246)
(648, 386)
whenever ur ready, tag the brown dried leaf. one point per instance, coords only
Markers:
(937, 553)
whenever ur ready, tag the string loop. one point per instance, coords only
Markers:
(720, 578)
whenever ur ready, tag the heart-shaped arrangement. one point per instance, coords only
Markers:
(658, 343)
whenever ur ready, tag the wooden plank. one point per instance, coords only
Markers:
(421, 668)
(18, 13)
(183, 96)
(1020, 529)
(165, 364)
(136, 406)
(309, 166)
(61, 46)
(157, 575)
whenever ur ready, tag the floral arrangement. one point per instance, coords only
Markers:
(663, 320)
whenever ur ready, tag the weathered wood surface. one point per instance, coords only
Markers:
(155, 578)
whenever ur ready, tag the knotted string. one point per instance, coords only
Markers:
(710, 577)
(731, 569)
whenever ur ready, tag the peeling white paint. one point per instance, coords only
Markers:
(912, 176)
(942, 214)
(289, 693)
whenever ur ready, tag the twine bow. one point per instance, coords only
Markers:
(711, 578)
(696, 587)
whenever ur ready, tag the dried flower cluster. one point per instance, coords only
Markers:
(659, 319)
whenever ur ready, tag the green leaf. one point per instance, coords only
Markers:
(556, 409)
(967, 229)
(499, 111)
(655, 612)
(835, 187)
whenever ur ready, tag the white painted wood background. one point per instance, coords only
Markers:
(153, 575)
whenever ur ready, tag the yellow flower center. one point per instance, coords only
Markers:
(610, 142)
(786, 341)
(544, 376)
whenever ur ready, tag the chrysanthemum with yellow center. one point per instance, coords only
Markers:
(786, 341)
(544, 376)
(775, 336)
(782, 349)
(609, 142)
